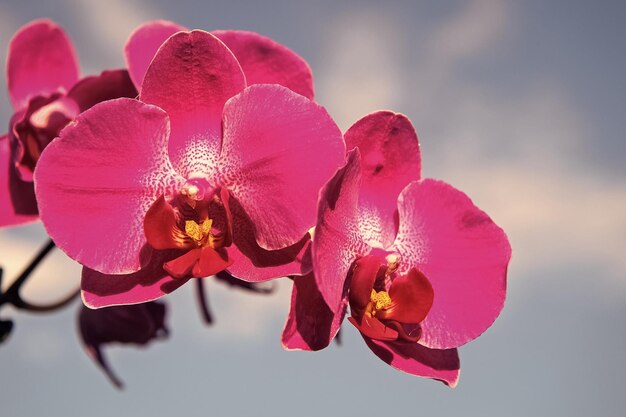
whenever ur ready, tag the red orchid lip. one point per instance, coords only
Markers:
(195, 220)
(383, 302)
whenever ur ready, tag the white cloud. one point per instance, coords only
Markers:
(109, 24)
(361, 67)
(520, 155)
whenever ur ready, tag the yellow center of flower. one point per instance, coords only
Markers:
(380, 300)
(199, 232)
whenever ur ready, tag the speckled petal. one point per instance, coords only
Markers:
(191, 77)
(464, 255)
(279, 149)
(390, 160)
(95, 183)
(337, 242)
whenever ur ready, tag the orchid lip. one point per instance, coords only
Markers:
(386, 305)
(196, 220)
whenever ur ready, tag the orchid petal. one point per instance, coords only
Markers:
(464, 255)
(142, 45)
(150, 283)
(278, 150)
(95, 183)
(265, 61)
(311, 325)
(337, 242)
(41, 60)
(8, 179)
(418, 360)
(92, 90)
(390, 160)
(191, 77)
(253, 263)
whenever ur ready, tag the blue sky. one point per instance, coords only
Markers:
(519, 104)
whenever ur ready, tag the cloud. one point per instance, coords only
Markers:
(361, 66)
(518, 151)
(109, 24)
(469, 32)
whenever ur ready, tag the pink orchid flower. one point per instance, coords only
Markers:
(421, 267)
(202, 174)
(42, 75)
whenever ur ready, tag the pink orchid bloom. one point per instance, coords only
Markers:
(42, 75)
(421, 267)
(201, 174)
(262, 60)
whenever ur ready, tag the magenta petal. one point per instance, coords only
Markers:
(311, 325)
(253, 263)
(337, 242)
(92, 90)
(191, 77)
(414, 359)
(278, 150)
(464, 255)
(152, 282)
(390, 160)
(95, 183)
(265, 61)
(8, 177)
(143, 44)
(41, 60)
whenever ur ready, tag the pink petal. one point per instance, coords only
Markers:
(418, 360)
(464, 255)
(265, 61)
(41, 60)
(9, 180)
(143, 44)
(94, 89)
(390, 160)
(95, 183)
(311, 325)
(337, 242)
(278, 150)
(253, 263)
(191, 77)
(152, 282)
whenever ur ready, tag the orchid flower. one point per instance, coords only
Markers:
(422, 269)
(202, 174)
(46, 93)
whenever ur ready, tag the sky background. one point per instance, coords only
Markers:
(519, 104)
